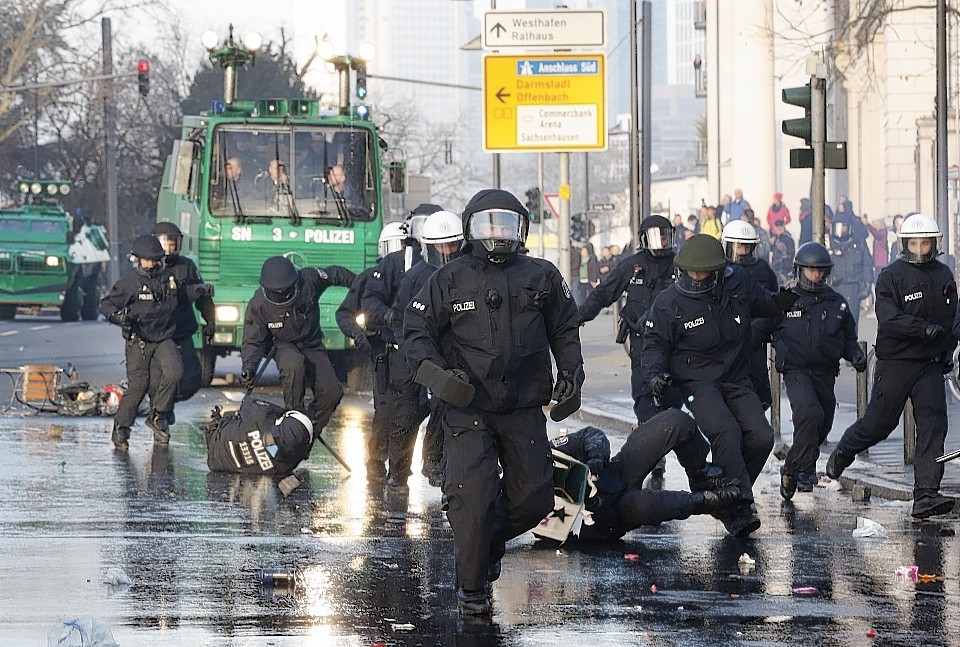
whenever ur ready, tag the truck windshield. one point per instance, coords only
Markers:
(21, 229)
(292, 172)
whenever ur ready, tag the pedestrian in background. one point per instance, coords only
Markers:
(588, 273)
(778, 211)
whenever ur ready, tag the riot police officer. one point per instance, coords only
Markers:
(259, 438)
(642, 276)
(853, 265)
(810, 340)
(401, 402)
(143, 303)
(391, 240)
(479, 335)
(916, 337)
(194, 293)
(741, 246)
(697, 335)
(621, 504)
(285, 314)
(441, 242)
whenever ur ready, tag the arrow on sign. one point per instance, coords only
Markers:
(497, 29)
(501, 94)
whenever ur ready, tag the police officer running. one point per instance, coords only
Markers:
(853, 265)
(916, 337)
(479, 335)
(285, 314)
(621, 504)
(697, 335)
(193, 293)
(642, 276)
(810, 340)
(143, 303)
(391, 240)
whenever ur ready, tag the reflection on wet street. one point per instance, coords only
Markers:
(374, 566)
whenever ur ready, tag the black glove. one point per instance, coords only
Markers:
(784, 299)
(118, 318)
(595, 465)
(565, 386)
(933, 331)
(659, 384)
(360, 341)
(129, 324)
(859, 360)
(388, 318)
(246, 379)
(208, 330)
(204, 290)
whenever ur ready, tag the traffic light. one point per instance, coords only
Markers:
(802, 128)
(581, 227)
(143, 77)
(362, 81)
(533, 203)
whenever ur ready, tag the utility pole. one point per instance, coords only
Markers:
(818, 124)
(942, 215)
(634, 124)
(543, 216)
(496, 156)
(646, 83)
(564, 228)
(110, 126)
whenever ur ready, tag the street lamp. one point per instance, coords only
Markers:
(230, 56)
(343, 64)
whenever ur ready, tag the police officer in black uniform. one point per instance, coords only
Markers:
(697, 337)
(810, 340)
(285, 314)
(853, 265)
(479, 335)
(403, 403)
(642, 276)
(621, 504)
(143, 303)
(194, 293)
(916, 337)
(259, 438)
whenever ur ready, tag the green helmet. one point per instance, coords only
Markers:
(702, 253)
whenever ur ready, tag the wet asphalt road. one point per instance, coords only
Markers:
(376, 568)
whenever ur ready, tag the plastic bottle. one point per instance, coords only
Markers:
(277, 576)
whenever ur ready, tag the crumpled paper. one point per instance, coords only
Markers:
(911, 573)
(869, 528)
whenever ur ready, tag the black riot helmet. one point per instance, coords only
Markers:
(146, 248)
(701, 253)
(495, 226)
(656, 235)
(166, 232)
(279, 280)
(814, 256)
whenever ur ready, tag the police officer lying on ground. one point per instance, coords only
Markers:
(285, 314)
(143, 303)
(193, 293)
(480, 335)
(259, 438)
(621, 504)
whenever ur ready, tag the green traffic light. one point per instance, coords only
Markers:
(802, 128)
(797, 96)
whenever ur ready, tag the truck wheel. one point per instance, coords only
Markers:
(70, 308)
(208, 361)
(7, 312)
(91, 300)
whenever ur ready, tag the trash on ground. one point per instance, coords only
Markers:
(805, 590)
(399, 626)
(81, 632)
(633, 557)
(746, 564)
(116, 577)
(908, 573)
(869, 528)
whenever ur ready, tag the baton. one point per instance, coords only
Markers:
(334, 453)
(948, 457)
(259, 374)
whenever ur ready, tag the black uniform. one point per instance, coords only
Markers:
(702, 342)
(760, 272)
(192, 293)
(294, 330)
(642, 276)
(403, 402)
(783, 249)
(149, 303)
(810, 340)
(249, 441)
(621, 504)
(910, 363)
(852, 271)
(498, 323)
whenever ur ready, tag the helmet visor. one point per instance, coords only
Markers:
(439, 254)
(171, 243)
(495, 224)
(389, 245)
(841, 229)
(919, 250)
(740, 252)
(658, 238)
(415, 226)
(281, 297)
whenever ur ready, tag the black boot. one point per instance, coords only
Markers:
(121, 438)
(838, 462)
(161, 430)
(806, 482)
(788, 484)
(474, 603)
(708, 477)
(709, 501)
(929, 503)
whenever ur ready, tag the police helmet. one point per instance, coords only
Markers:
(167, 232)
(279, 280)
(146, 248)
(414, 222)
(293, 434)
(442, 238)
(656, 235)
(841, 227)
(495, 225)
(391, 238)
(814, 256)
(735, 234)
(701, 253)
(919, 226)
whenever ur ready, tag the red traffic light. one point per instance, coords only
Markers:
(143, 67)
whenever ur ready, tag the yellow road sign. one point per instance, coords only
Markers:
(544, 102)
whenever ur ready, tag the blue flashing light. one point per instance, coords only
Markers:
(217, 106)
(361, 111)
